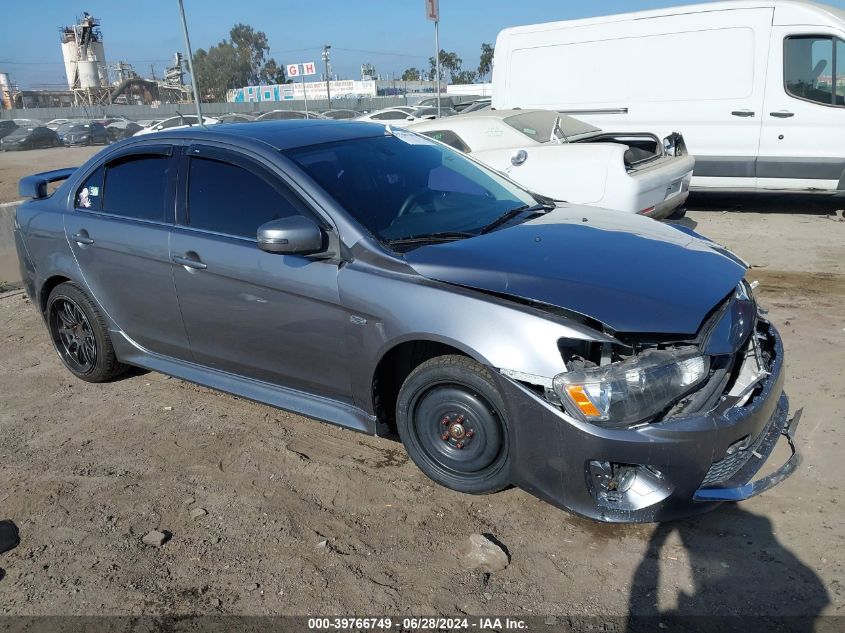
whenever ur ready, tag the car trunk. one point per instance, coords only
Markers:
(642, 148)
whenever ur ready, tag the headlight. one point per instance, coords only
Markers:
(627, 392)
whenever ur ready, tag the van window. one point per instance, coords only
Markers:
(228, 199)
(814, 69)
(840, 72)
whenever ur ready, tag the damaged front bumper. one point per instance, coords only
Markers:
(661, 471)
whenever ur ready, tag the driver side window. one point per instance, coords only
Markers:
(229, 199)
(814, 69)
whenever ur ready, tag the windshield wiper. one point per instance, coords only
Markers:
(441, 236)
(515, 212)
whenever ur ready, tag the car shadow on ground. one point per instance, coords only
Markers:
(742, 578)
(811, 204)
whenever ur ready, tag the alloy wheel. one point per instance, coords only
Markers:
(73, 335)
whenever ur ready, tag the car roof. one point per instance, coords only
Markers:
(286, 134)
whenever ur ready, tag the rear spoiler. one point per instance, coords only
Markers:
(35, 186)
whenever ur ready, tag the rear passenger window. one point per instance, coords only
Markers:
(89, 195)
(450, 138)
(229, 199)
(135, 187)
(814, 68)
(392, 115)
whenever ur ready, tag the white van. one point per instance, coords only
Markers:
(756, 88)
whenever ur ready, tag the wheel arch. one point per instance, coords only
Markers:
(47, 287)
(397, 361)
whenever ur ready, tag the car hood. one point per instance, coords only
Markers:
(629, 272)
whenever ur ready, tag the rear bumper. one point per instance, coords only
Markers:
(684, 466)
(664, 209)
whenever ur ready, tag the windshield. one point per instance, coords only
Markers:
(405, 185)
(538, 125)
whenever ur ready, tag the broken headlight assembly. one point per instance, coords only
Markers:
(625, 393)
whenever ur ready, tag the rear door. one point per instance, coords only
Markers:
(803, 141)
(119, 231)
(271, 317)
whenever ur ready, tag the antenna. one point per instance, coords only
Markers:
(200, 120)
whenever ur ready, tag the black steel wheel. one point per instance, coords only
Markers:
(451, 419)
(80, 334)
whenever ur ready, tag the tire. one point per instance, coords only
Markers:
(80, 335)
(677, 213)
(451, 420)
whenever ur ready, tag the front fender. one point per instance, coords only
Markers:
(389, 309)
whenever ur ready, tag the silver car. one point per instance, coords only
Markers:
(379, 280)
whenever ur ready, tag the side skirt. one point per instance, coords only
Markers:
(307, 404)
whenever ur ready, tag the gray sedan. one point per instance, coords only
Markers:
(381, 281)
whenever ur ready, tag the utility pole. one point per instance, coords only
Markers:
(328, 67)
(432, 12)
(191, 63)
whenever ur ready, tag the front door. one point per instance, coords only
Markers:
(275, 318)
(119, 232)
(802, 146)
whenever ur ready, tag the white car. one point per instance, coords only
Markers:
(175, 123)
(566, 159)
(54, 124)
(396, 117)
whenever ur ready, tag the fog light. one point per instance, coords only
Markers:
(625, 478)
(626, 486)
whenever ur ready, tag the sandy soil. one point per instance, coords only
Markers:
(87, 470)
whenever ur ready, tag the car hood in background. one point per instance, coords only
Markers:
(629, 272)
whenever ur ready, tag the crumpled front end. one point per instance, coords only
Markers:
(704, 449)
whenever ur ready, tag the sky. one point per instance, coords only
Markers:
(391, 34)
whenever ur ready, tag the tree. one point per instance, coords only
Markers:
(252, 47)
(272, 73)
(448, 61)
(236, 62)
(485, 63)
(412, 74)
(218, 70)
(465, 77)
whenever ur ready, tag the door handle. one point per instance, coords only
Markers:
(743, 113)
(188, 262)
(782, 114)
(82, 239)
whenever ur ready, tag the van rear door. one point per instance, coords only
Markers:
(802, 145)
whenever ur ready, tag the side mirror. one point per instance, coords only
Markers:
(519, 157)
(294, 235)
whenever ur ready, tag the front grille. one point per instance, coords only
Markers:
(737, 469)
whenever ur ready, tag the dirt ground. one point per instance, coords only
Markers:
(15, 165)
(87, 470)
